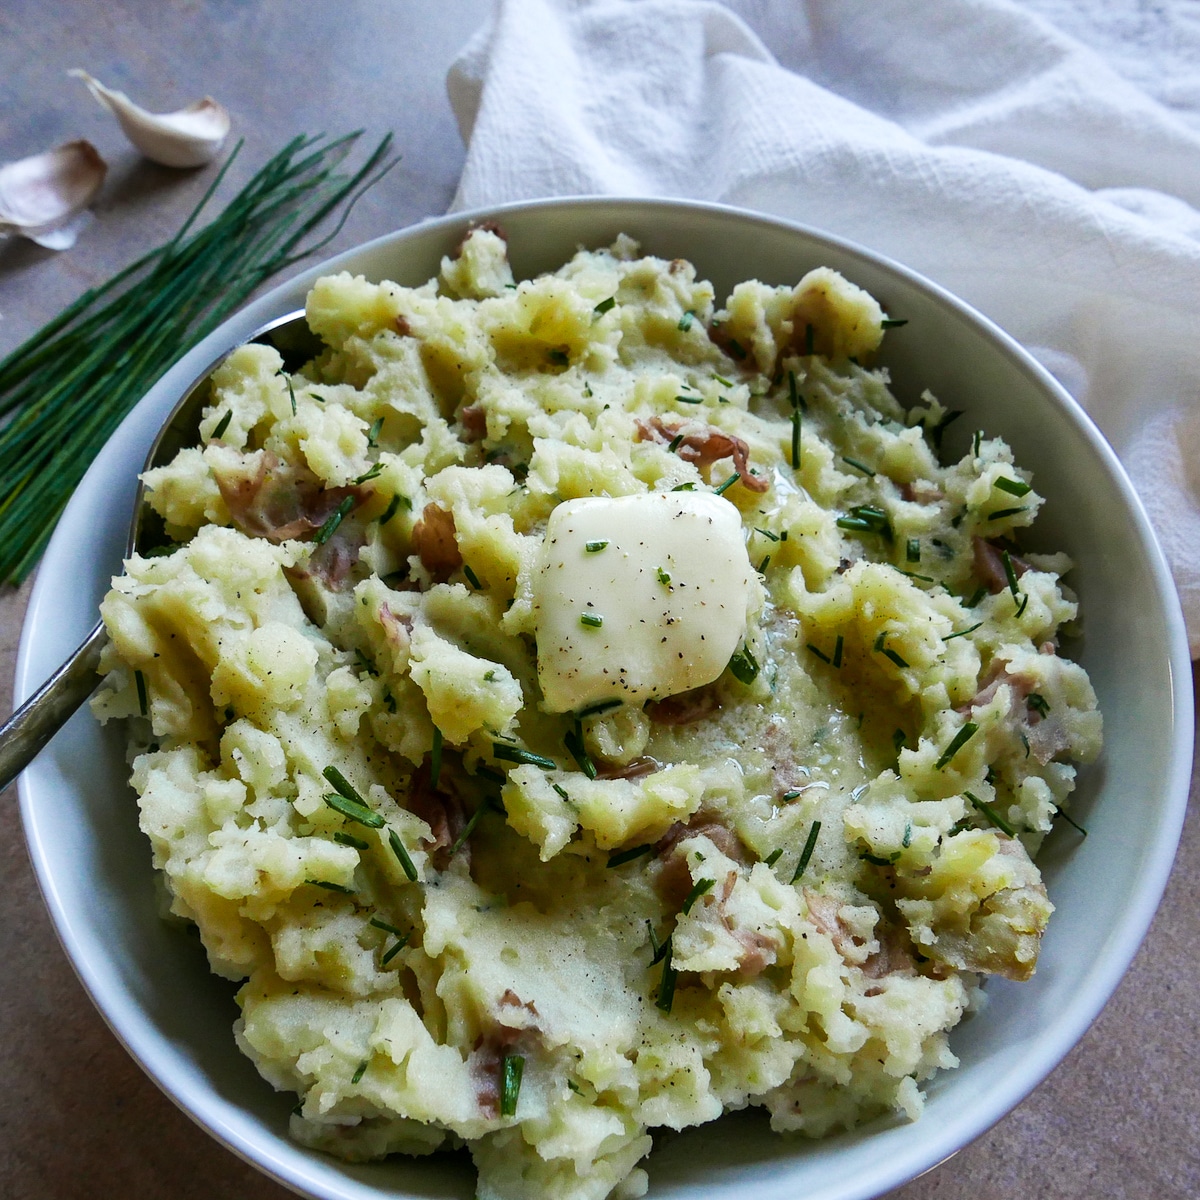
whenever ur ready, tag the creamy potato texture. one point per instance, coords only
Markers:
(575, 707)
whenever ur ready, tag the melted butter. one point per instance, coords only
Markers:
(639, 597)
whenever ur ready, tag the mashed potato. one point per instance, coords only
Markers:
(574, 708)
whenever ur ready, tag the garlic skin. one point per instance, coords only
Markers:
(190, 137)
(45, 197)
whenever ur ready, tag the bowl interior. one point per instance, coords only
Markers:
(150, 979)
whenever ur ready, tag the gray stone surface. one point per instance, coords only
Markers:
(1120, 1118)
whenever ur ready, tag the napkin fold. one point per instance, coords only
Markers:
(1053, 184)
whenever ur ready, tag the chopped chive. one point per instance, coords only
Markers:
(291, 394)
(807, 852)
(1037, 703)
(373, 472)
(1066, 816)
(591, 620)
(819, 653)
(893, 322)
(736, 349)
(992, 815)
(774, 856)
(916, 575)
(562, 792)
(999, 513)
(685, 322)
(1021, 607)
(510, 1083)
(762, 566)
(467, 830)
(796, 447)
(354, 810)
(578, 751)
(875, 860)
(722, 380)
(976, 598)
(388, 955)
(373, 432)
(912, 551)
(935, 434)
(143, 701)
(684, 487)
(853, 462)
(675, 443)
(975, 445)
(333, 521)
(866, 518)
(587, 390)
(666, 989)
(601, 706)
(689, 399)
(393, 505)
(721, 489)
(472, 578)
(348, 839)
(435, 758)
(890, 653)
(1010, 574)
(880, 640)
(744, 665)
(794, 396)
(663, 577)
(402, 854)
(656, 947)
(793, 794)
(573, 1086)
(380, 923)
(810, 339)
(623, 856)
(960, 739)
(766, 533)
(698, 889)
(518, 754)
(560, 358)
(331, 887)
(604, 306)
(907, 839)
(359, 1072)
(1014, 487)
(837, 651)
(595, 547)
(222, 425)
(962, 632)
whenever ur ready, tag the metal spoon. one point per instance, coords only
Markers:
(41, 716)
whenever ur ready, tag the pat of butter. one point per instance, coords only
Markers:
(638, 597)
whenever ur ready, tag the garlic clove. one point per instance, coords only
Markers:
(190, 137)
(44, 197)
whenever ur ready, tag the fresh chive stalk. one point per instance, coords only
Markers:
(666, 988)
(809, 846)
(510, 1083)
(992, 815)
(398, 849)
(332, 522)
(623, 856)
(699, 888)
(70, 384)
(960, 739)
(143, 701)
(518, 754)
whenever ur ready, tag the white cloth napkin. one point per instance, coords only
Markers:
(1053, 184)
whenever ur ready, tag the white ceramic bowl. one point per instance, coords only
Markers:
(151, 982)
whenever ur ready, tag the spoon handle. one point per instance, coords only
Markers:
(45, 712)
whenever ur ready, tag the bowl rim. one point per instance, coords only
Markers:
(298, 1175)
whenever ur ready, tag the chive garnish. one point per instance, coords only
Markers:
(656, 947)
(893, 322)
(348, 839)
(721, 489)
(1066, 816)
(380, 923)
(333, 521)
(866, 518)
(975, 599)
(666, 989)
(222, 425)
(467, 830)
(722, 380)
(819, 653)
(1037, 703)
(853, 462)
(685, 322)
(912, 551)
(518, 754)
(331, 887)
(390, 511)
(595, 547)
(591, 620)
(359, 1072)
(762, 566)
(373, 432)
(774, 856)
(960, 739)
(689, 399)
(143, 702)
(401, 853)
(876, 861)
(604, 306)
(573, 741)
(435, 758)
(1010, 574)
(906, 841)
(766, 533)
(744, 665)
(675, 443)
(810, 339)
(793, 794)
(573, 1086)
(916, 575)
(623, 856)
(999, 513)
(699, 888)
(601, 706)
(391, 953)
(975, 446)
(1021, 607)
(472, 578)
(348, 802)
(796, 439)
(888, 652)
(562, 792)
(992, 815)
(1014, 487)
(371, 473)
(837, 651)
(807, 852)
(797, 400)
(962, 632)
(510, 1084)
(291, 394)
(663, 577)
